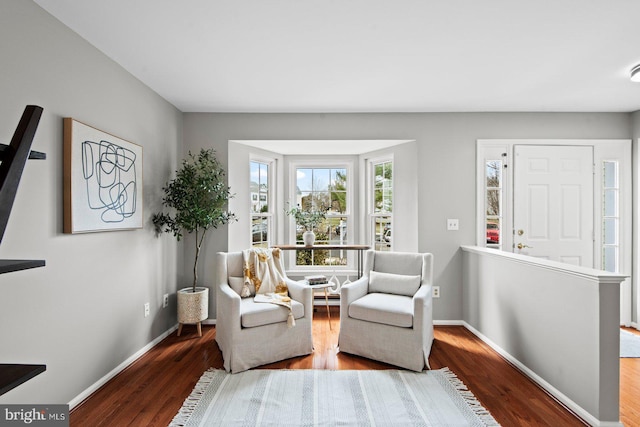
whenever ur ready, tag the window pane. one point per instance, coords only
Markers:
(335, 230)
(382, 233)
(610, 258)
(610, 231)
(494, 173)
(254, 171)
(321, 179)
(378, 194)
(304, 179)
(264, 176)
(383, 187)
(493, 202)
(339, 201)
(610, 202)
(259, 231)
(338, 191)
(493, 232)
(263, 203)
(320, 201)
(259, 187)
(610, 174)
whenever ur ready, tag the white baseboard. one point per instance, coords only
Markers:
(449, 323)
(557, 394)
(115, 371)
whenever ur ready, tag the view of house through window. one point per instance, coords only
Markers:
(260, 209)
(382, 205)
(323, 189)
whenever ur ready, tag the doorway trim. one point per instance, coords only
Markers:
(616, 150)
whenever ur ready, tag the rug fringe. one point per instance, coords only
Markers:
(190, 403)
(469, 398)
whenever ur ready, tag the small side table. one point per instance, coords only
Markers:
(323, 286)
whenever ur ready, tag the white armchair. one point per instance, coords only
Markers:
(251, 334)
(387, 314)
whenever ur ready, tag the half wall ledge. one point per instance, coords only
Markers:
(557, 322)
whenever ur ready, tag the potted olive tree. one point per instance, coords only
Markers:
(197, 199)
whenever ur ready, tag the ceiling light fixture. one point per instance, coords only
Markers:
(635, 74)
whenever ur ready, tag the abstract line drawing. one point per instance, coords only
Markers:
(102, 180)
(109, 171)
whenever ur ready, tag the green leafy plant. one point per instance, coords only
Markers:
(198, 198)
(309, 219)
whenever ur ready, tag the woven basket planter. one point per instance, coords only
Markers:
(193, 307)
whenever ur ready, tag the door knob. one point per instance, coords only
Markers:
(521, 246)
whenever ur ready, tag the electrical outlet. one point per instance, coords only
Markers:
(146, 309)
(435, 293)
(452, 224)
(165, 300)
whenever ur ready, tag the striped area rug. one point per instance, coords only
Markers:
(629, 344)
(331, 398)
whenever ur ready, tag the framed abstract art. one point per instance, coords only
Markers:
(102, 180)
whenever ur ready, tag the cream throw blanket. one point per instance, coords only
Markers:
(263, 269)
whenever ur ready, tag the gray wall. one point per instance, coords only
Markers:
(446, 165)
(82, 314)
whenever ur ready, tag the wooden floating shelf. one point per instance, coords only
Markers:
(11, 376)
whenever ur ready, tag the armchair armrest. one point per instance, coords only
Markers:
(354, 290)
(422, 307)
(301, 293)
(228, 308)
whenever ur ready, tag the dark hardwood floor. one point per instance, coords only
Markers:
(151, 391)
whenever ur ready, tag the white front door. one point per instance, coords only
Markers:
(553, 203)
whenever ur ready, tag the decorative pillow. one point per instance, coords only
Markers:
(236, 283)
(397, 284)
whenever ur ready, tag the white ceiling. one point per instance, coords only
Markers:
(371, 55)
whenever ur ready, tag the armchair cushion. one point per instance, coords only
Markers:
(398, 284)
(388, 309)
(254, 314)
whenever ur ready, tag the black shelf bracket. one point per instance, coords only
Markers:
(14, 156)
(12, 160)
